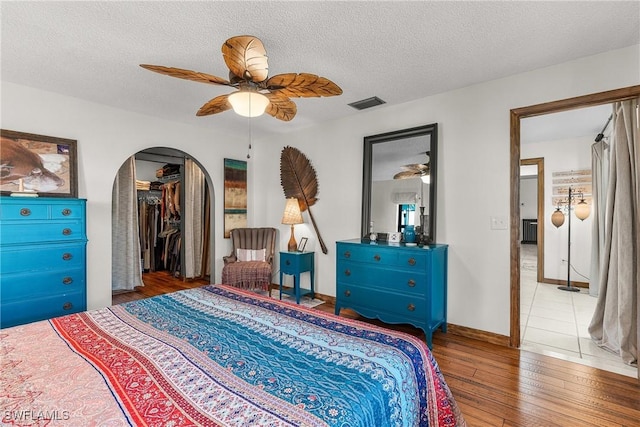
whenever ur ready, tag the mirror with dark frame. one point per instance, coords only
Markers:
(399, 182)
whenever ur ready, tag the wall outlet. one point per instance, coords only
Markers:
(499, 223)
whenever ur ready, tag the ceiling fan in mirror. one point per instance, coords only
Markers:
(416, 170)
(257, 93)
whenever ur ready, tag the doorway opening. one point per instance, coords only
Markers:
(516, 218)
(168, 225)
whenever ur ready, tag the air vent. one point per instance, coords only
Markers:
(367, 103)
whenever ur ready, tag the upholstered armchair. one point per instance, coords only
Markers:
(250, 264)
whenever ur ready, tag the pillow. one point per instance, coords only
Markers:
(251, 254)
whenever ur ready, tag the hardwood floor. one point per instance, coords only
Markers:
(500, 386)
(156, 283)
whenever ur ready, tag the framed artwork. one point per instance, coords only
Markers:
(578, 180)
(235, 195)
(40, 164)
(302, 244)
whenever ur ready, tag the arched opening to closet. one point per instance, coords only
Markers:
(162, 218)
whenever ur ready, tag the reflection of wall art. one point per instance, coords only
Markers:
(235, 195)
(578, 180)
(38, 164)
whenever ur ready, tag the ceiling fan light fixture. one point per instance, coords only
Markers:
(248, 103)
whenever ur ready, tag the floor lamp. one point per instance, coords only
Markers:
(557, 219)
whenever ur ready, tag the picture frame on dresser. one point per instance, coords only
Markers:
(302, 244)
(38, 164)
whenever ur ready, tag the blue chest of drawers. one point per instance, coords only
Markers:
(42, 258)
(396, 284)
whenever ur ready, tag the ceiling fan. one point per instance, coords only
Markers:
(246, 58)
(415, 170)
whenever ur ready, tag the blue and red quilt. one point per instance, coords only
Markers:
(218, 356)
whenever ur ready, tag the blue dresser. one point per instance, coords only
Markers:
(394, 283)
(42, 258)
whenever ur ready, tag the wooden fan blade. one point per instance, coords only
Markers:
(416, 167)
(407, 175)
(216, 105)
(246, 57)
(303, 85)
(187, 74)
(280, 107)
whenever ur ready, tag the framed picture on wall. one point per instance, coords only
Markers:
(235, 195)
(39, 164)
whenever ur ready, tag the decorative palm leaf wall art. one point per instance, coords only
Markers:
(298, 179)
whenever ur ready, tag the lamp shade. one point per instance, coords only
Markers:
(248, 103)
(292, 214)
(557, 218)
(582, 210)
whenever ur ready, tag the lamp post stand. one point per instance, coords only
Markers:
(568, 287)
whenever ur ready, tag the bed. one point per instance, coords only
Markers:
(218, 356)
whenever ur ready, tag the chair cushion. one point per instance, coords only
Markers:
(250, 254)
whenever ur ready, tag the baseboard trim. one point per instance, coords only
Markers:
(478, 334)
(564, 283)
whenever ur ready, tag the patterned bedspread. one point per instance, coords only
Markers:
(218, 356)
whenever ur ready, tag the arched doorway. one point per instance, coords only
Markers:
(164, 198)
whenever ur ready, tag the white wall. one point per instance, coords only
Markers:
(563, 155)
(528, 197)
(106, 138)
(473, 174)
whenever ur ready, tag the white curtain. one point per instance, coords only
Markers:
(600, 176)
(615, 322)
(126, 270)
(193, 218)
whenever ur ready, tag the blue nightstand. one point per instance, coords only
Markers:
(294, 263)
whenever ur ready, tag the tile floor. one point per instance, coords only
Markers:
(555, 322)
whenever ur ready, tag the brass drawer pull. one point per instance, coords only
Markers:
(67, 306)
(347, 272)
(66, 231)
(347, 293)
(412, 261)
(376, 257)
(67, 280)
(411, 283)
(66, 212)
(25, 211)
(67, 256)
(347, 254)
(411, 307)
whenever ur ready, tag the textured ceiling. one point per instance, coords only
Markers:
(398, 51)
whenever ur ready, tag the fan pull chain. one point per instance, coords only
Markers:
(250, 133)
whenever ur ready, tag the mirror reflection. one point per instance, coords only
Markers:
(399, 182)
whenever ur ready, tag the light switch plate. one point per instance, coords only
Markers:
(499, 223)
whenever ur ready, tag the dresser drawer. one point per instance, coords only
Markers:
(59, 257)
(41, 208)
(23, 211)
(388, 306)
(38, 231)
(20, 312)
(22, 286)
(382, 278)
(385, 256)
